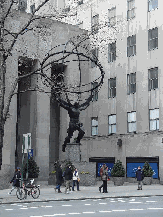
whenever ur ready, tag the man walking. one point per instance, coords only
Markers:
(140, 177)
(59, 178)
(68, 176)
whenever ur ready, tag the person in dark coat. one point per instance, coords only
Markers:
(59, 178)
(68, 177)
(16, 179)
(140, 177)
(105, 178)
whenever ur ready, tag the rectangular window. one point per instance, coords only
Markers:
(153, 78)
(80, 2)
(112, 124)
(95, 23)
(112, 52)
(152, 38)
(130, 9)
(152, 5)
(111, 17)
(154, 119)
(94, 56)
(131, 122)
(32, 8)
(95, 91)
(131, 45)
(112, 88)
(131, 83)
(94, 126)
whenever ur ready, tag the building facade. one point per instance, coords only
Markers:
(125, 119)
(33, 112)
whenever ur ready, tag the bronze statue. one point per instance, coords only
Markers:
(74, 124)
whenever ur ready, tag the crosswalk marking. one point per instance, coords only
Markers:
(88, 212)
(118, 210)
(151, 201)
(103, 211)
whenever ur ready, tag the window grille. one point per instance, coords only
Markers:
(112, 88)
(131, 122)
(94, 126)
(131, 45)
(153, 78)
(112, 124)
(112, 52)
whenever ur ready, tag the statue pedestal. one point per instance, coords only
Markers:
(73, 152)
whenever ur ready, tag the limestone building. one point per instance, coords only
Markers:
(125, 120)
(34, 112)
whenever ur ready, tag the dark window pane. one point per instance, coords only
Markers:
(149, 34)
(155, 33)
(128, 41)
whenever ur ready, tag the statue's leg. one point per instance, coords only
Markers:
(67, 139)
(80, 135)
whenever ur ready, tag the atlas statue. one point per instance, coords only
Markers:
(74, 124)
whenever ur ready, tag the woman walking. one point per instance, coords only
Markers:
(75, 179)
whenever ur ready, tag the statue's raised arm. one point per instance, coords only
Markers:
(64, 104)
(86, 103)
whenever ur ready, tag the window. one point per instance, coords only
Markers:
(112, 124)
(130, 9)
(152, 38)
(131, 83)
(94, 57)
(131, 122)
(131, 45)
(152, 5)
(154, 119)
(153, 78)
(112, 16)
(94, 126)
(80, 2)
(32, 7)
(95, 23)
(66, 9)
(22, 5)
(112, 52)
(95, 91)
(112, 88)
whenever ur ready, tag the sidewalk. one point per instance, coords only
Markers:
(47, 193)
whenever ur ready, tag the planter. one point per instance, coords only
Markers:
(118, 181)
(147, 180)
(52, 179)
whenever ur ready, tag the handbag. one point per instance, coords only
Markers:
(78, 179)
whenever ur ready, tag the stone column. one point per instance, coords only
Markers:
(73, 152)
(9, 140)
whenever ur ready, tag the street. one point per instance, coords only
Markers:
(133, 206)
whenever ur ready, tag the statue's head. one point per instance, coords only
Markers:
(76, 104)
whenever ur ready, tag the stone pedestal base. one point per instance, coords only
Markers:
(73, 152)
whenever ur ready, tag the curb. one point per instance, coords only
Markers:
(82, 198)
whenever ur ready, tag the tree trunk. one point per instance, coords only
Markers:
(2, 77)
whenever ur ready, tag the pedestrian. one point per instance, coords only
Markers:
(59, 178)
(101, 171)
(75, 179)
(140, 177)
(105, 178)
(15, 180)
(68, 177)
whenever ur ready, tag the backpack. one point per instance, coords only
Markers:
(101, 171)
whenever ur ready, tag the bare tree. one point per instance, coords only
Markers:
(8, 40)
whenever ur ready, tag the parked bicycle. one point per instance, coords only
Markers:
(31, 189)
(20, 193)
